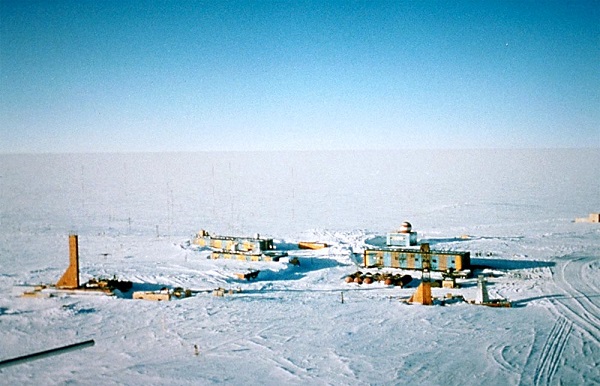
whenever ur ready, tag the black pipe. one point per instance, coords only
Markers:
(46, 353)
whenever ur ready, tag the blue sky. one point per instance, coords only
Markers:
(88, 76)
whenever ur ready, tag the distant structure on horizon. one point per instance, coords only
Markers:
(593, 217)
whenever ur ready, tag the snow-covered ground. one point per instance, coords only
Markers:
(135, 214)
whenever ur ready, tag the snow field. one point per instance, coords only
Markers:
(135, 214)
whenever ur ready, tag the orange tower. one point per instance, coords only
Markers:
(70, 279)
(423, 294)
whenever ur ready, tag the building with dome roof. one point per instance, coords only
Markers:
(403, 237)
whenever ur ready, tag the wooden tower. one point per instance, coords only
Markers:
(70, 279)
(423, 293)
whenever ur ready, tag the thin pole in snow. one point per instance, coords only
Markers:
(293, 197)
(82, 190)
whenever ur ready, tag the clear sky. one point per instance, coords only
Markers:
(87, 76)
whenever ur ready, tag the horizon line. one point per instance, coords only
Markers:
(332, 150)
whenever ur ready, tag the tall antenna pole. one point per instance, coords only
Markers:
(82, 191)
(293, 197)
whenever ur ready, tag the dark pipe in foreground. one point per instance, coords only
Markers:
(46, 353)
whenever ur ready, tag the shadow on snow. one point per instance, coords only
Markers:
(504, 264)
(292, 272)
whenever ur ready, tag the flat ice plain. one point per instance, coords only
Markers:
(135, 213)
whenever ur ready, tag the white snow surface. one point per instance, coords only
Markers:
(136, 213)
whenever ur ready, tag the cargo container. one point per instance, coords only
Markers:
(311, 245)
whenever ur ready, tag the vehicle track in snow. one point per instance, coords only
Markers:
(552, 350)
(498, 354)
(581, 303)
(578, 309)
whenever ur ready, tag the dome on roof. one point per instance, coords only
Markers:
(406, 227)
